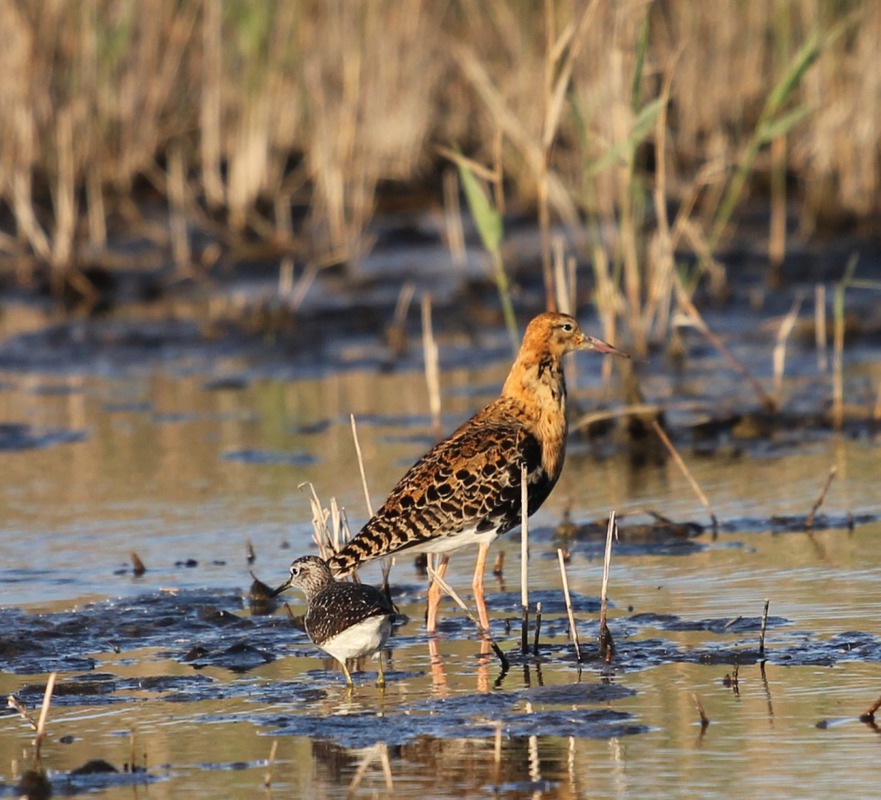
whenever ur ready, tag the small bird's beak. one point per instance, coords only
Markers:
(285, 585)
(599, 346)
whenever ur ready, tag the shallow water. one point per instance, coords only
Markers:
(186, 471)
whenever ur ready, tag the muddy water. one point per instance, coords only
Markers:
(171, 672)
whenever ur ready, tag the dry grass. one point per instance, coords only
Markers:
(600, 115)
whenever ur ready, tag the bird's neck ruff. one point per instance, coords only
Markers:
(537, 387)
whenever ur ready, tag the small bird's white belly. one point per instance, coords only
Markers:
(361, 639)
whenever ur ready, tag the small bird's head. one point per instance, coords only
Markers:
(560, 334)
(310, 574)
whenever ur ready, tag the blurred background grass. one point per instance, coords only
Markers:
(645, 125)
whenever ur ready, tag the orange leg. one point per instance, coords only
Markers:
(434, 595)
(477, 585)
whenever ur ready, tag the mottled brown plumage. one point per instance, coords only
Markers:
(466, 489)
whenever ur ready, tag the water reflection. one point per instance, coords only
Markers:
(159, 469)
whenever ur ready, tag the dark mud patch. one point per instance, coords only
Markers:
(22, 436)
(93, 776)
(476, 716)
(660, 536)
(257, 456)
(208, 628)
(363, 730)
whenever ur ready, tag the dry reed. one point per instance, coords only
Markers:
(232, 109)
(677, 459)
(809, 520)
(573, 630)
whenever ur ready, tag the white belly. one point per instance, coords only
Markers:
(361, 639)
(449, 543)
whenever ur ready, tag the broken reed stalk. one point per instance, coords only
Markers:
(573, 631)
(820, 327)
(689, 308)
(44, 714)
(809, 520)
(13, 702)
(838, 359)
(607, 645)
(686, 472)
(780, 348)
(330, 528)
(267, 778)
(537, 628)
(385, 563)
(432, 574)
(397, 330)
(705, 720)
(524, 558)
(497, 752)
(178, 202)
(453, 232)
(838, 343)
(361, 466)
(432, 372)
(764, 627)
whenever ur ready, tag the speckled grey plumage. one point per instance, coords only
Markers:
(346, 620)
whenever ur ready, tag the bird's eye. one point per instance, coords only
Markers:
(295, 570)
(567, 326)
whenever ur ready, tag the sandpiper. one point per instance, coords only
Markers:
(346, 620)
(466, 489)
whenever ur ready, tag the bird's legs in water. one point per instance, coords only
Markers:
(477, 585)
(434, 594)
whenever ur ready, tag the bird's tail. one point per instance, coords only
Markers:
(351, 557)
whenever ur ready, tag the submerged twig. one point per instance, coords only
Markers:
(138, 567)
(869, 714)
(705, 720)
(764, 627)
(607, 645)
(686, 472)
(573, 631)
(432, 574)
(267, 778)
(537, 628)
(809, 520)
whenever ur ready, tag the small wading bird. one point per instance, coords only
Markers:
(346, 620)
(466, 489)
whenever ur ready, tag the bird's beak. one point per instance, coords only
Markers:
(285, 585)
(599, 346)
